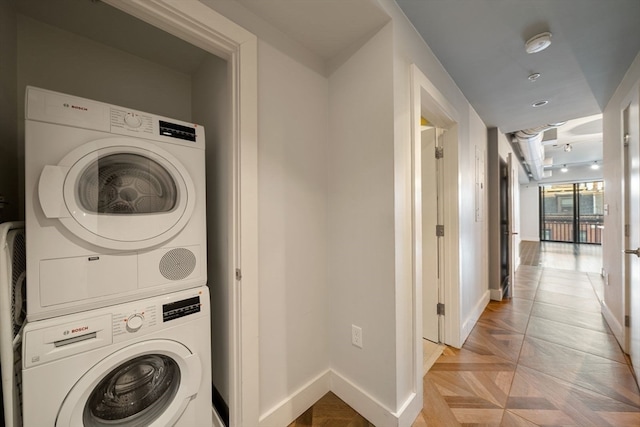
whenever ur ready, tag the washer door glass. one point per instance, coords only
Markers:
(135, 393)
(127, 184)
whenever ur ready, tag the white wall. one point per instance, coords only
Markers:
(613, 170)
(361, 259)
(473, 283)
(474, 264)
(211, 104)
(10, 175)
(293, 150)
(530, 212)
(58, 60)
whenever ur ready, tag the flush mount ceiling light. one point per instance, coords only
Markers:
(539, 103)
(533, 77)
(538, 42)
(595, 165)
(568, 148)
(564, 168)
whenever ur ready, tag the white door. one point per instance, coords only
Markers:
(432, 239)
(631, 126)
(511, 182)
(429, 239)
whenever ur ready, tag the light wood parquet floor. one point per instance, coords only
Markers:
(544, 358)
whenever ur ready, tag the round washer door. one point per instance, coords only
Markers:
(146, 384)
(119, 193)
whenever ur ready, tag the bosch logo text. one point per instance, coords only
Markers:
(75, 107)
(80, 329)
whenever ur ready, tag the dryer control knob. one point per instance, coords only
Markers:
(132, 120)
(134, 322)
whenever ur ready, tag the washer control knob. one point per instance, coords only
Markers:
(132, 120)
(134, 322)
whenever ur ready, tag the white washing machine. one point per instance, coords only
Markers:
(145, 363)
(115, 204)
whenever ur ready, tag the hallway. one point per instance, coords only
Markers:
(544, 358)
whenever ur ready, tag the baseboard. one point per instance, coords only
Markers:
(217, 420)
(291, 408)
(495, 294)
(375, 412)
(530, 238)
(475, 314)
(302, 399)
(615, 326)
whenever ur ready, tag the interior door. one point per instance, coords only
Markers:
(631, 127)
(430, 273)
(512, 236)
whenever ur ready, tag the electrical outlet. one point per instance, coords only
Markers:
(356, 336)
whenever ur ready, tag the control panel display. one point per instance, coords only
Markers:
(177, 131)
(177, 309)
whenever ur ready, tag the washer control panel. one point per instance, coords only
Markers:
(131, 321)
(177, 309)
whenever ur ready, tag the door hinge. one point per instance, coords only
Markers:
(238, 274)
(439, 152)
(440, 309)
(439, 230)
(627, 321)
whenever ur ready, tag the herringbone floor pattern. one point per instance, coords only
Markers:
(544, 358)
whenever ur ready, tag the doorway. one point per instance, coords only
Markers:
(439, 275)
(572, 213)
(505, 232)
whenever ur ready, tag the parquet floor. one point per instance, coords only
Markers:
(544, 358)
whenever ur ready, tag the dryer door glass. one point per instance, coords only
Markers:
(128, 184)
(135, 393)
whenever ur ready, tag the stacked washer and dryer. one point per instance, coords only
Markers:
(118, 329)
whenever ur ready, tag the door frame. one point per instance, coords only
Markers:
(629, 125)
(428, 101)
(201, 26)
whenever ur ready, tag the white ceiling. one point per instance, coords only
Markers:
(325, 27)
(479, 42)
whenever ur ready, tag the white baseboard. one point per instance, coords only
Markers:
(530, 238)
(495, 294)
(363, 403)
(616, 327)
(292, 407)
(217, 421)
(475, 314)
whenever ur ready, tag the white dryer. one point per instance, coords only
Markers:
(115, 204)
(145, 363)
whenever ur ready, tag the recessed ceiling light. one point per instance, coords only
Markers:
(533, 77)
(539, 103)
(564, 169)
(595, 165)
(538, 42)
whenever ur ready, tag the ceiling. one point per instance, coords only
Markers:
(479, 42)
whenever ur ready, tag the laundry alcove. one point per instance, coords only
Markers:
(93, 50)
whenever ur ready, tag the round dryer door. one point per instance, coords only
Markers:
(146, 384)
(119, 193)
